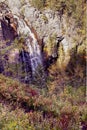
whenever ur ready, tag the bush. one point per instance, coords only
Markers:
(40, 4)
(30, 109)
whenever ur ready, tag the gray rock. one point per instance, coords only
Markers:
(46, 23)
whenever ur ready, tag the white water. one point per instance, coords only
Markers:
(1, 35)
(35, 54)
(32, 45)
(25, 71)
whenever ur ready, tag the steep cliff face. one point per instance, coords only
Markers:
(48, 24)
(56, 33)
(20, 50)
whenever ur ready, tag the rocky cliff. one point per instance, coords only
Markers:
(57, 34)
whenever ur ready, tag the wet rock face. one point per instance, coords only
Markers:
(46, 23)
(13, 55)
(23, 62)
(8, 22)
(8, 31)
(12, 25)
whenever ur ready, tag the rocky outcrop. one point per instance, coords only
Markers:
(8, 23)
(20, 46)
(56, 32)
(49, 25)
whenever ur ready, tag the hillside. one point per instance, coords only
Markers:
(43, 65)
(30, 108)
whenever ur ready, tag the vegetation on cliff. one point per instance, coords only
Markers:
(55, 100)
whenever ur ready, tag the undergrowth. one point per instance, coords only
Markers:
(24, 107)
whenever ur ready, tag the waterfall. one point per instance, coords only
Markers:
(33, 47)
(1, 35)
(29, 60)
(35, 54)
(24, 62)
(1, 59)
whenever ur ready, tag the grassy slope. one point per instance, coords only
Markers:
(29, 108)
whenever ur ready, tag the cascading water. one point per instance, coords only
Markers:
(1, 34)
(34, 52)
(1, 61)
(33, 47)
(28, 61)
